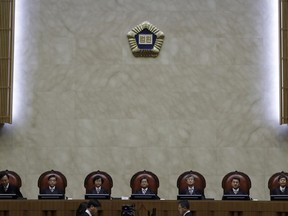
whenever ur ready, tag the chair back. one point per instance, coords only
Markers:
(135, 182)
(245, 182)
(14, 178)
(107, 183)
(199, 181)
(273, 180)
(43, 180)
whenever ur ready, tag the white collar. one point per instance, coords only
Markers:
(88, 212)
(186, 212)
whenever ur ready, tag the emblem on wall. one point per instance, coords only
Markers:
(145, 40)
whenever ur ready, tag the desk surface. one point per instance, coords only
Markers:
(143, 207)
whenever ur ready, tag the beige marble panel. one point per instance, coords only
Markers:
(257, 133)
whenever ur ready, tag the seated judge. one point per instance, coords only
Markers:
(235, 187)
(52, 188)
(144, 187)
(6, 187)
(190, 190)
(98, 189)
(282, 188)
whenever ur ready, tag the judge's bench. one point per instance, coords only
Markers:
(145, 207)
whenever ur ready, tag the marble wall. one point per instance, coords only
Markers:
(83, 102)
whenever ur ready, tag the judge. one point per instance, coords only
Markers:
(282, 187)
(52, 186)
(6, 187)
(98, 189)
(144, 187)
(235, 187)
(190, 189)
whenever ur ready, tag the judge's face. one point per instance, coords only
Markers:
(282, 182)
(144, 183)
(52, 181)
(190, 181)
(235, 183)
(4, 180)
(98, 182)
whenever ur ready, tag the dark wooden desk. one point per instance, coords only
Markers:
(163, 207)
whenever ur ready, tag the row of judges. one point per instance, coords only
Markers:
(188, 191)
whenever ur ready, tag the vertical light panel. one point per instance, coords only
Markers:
(6, 59)
(271, 52)
(19, 46)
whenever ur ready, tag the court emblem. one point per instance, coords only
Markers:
(145, 40)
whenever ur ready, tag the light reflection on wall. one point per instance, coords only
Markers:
(273, 52)
(18, 91)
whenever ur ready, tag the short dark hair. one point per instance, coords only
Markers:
(4, 173)
(98, 177)
(143, 178)
(184, 204)
(190, 175)
(81, 208)
(94, 203)
(237, 178)
(52, 176)
(282, 176)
